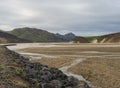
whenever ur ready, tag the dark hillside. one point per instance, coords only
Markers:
(80, 40)
(35, 35)
(8, 38)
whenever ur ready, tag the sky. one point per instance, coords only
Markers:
(82, 17)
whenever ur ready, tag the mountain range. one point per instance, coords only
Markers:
(39, 35)
(26, 34)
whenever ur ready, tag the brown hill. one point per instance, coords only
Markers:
(110, 38)
(80, 40)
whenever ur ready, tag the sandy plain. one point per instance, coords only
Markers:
(97, 63)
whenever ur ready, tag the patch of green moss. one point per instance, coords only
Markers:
(91, 38)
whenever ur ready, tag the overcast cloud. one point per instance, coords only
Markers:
(82, 17)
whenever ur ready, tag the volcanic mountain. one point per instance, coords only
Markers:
(35, 35)
(67, 37)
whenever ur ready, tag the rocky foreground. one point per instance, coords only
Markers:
(18, 72)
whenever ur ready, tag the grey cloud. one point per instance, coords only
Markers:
(82, 17)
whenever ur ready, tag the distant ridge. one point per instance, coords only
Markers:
(66, 37)
(26, 34)
(35, 35)
(39, 35)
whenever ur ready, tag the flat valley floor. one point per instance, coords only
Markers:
(97, 63)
